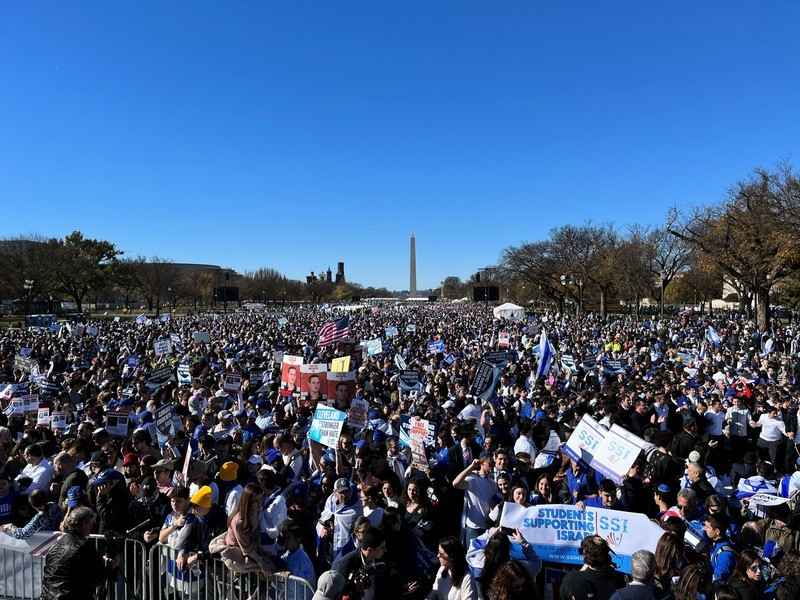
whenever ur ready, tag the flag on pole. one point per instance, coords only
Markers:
(546, 355)
(334, 331)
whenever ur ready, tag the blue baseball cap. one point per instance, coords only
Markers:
(74, 496)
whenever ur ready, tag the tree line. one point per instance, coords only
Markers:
(750, 240)
(39, 271)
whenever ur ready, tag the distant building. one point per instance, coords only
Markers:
(340, 274)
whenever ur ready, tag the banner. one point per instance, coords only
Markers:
(290, 374)
(555, 531)
(341, 364)
(117, 424)
(163, 347)
(232, 382)
(391, 331)
(357, 415)
(313, 383)
(158, 377)
(326, 426)
(341, 389)
(201, 337)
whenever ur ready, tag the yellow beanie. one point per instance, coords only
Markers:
(202, 497)
(229, 471)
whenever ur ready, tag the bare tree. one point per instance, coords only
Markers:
(156, 276)
(671, 255)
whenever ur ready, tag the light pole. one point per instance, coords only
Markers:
(171, 301)
(28, 285)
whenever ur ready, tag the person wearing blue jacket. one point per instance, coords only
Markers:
(723, 556)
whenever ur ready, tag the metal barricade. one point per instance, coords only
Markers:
(129, 579)
(20, 575)
(210, 579)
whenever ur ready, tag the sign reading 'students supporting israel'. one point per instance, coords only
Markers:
(556, 530)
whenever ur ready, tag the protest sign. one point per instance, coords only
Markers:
(256, 378)
(614, 456)
(374, 347)
(484, 384)
(92, 330)
(159, 377)
(282, 322)
(22, 363)
(184, 374)
(763, 499)
(341, 364)
(133, 362)
(43, 417)
(15, 407)
(341, 388)
(163, 346)
(117, 423)
(419, 456)
(31, 403)
(436, 347)
(406, 426)
(400, 362)
(164, 419)
(391, 331)
(313, 383)
(357, 415)
(290, 374)
(25, 352)
(411, 328)
(232, 382)
(585, 440)
(503, 339)
(58, 421)
(409, 381)
(555, 531)
(498, 358)
(165, 318)
(449, 359)
(201, 337)
(326, 426)
(177, 342)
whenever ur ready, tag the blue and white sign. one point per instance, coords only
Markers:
(391, 331)
(374, 347)
(436, 347)
(326, 426)
(556, 530)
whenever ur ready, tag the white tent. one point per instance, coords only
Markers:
(509, 311)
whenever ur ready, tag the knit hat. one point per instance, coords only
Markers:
(229, 471)
(202, 497)
(329, 586)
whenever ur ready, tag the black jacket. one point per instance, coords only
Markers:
(72, 569)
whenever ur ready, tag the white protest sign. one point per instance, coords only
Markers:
(357, 415)
(585, 440)
(43, 417)
(233, 381)
(31, 403)
(326, 426)
(201, 336)
(163, 347)
(117, 424)
(614, 456)
(763, 499)
(411, 328)
(555, 531)
(374, 347)
(58, 421)
(503, 339)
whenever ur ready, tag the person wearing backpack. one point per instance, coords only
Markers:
(723, 556)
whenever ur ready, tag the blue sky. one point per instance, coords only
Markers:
(297, 134)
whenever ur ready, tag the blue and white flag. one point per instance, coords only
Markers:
(568, 362)
(713, 336)
(546, 356)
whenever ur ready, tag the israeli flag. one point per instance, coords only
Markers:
(713, 336)
(568, 362)
(546, 355)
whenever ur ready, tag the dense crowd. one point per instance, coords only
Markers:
(230, 472)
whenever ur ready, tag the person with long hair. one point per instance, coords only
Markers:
(496, 553)
(418, 516)
(242, 538)
(695, 580)
(512, 582)
(597, 578)
(670, 560)
(453, 580)
(543, 491)
(746, 579)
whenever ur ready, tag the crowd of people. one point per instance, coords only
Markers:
(229, 472)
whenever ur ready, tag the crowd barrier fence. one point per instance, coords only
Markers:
(144, 574)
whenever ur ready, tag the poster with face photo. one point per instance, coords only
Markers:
(290, 375)
(313, 386)
(341, 389)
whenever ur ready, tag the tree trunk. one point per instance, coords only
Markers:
(762, 308)
(602, 303)
(661, 300)
(79, 303)
(638, 303)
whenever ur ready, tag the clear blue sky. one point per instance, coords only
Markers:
(295, 134)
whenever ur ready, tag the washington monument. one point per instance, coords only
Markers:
(412, 286)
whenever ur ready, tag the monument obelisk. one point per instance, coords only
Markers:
(412, 286)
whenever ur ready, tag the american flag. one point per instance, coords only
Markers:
(334, 331)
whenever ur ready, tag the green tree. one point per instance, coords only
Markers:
(82, 264)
